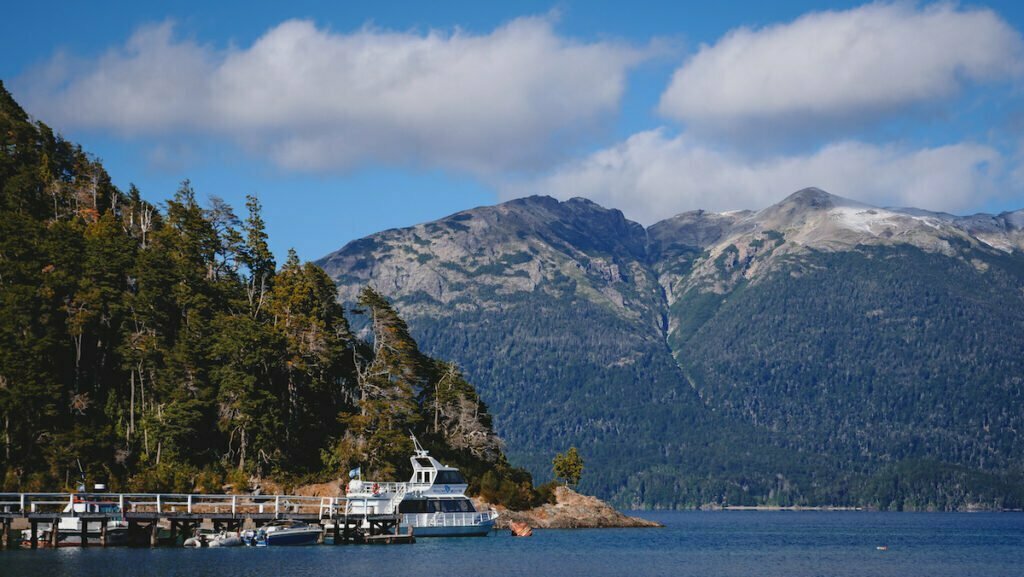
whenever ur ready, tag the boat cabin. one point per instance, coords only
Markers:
(429, 475)
(413, 505)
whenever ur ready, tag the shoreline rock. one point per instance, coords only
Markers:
(573, 511)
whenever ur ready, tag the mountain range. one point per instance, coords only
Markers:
(820, 351)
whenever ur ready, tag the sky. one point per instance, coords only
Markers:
(348, 118)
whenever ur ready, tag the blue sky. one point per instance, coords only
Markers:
(349, 118)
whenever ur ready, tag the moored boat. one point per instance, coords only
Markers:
(283, 532)
(433, 502)
(214, 539)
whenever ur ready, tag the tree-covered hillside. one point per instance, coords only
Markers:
(163, 348)
(874, 356)
(817, 352)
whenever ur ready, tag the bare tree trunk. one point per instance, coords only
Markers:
(241, 459)
(142, 389)
(131, 417)
(78, 357)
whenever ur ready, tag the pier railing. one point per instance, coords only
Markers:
(24, 504)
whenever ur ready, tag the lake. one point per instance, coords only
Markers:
(769, 544)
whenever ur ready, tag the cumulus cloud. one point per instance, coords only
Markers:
(840, 67)
(310, 98)
(652, 176)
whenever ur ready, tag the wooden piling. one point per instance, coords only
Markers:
(334, 536)
(34, 536)
(174, 533)
(154, 534)
(84, 532)
(5, 536)
(133, 533)
(55, 532)
(103, 533)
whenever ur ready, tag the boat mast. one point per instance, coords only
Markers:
(419, 450)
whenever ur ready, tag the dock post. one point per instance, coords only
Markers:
(84, 532)
(174, 533)
(103, 532)
(6, 537)
(133, 533)
(154, 533)
(55, 532)
(34, 536)
(335, 531)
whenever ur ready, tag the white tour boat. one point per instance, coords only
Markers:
(433, 502)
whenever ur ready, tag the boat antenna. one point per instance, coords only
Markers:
(420, 451)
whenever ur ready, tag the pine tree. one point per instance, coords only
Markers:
(458, 416)
(316, 372)
(388, 384)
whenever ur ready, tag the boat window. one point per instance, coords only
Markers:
(457, 506)
(449, 478)
(424, 462)
(413, 506)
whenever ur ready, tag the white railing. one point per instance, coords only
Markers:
(367, 488)
(448, 519)
(169, 503)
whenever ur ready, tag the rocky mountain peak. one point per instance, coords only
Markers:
(813, 197)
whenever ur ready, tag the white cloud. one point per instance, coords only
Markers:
(652, 176)
(315, 99)
(840, 67)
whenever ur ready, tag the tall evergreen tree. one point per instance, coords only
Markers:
(388, 384)
(317, 337)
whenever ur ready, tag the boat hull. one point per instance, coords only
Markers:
(303, 537)
(465, 531)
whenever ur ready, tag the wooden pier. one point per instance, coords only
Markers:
(146, 513)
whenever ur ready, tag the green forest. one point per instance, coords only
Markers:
(164, 348)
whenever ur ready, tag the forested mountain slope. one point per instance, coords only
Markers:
(819, 351)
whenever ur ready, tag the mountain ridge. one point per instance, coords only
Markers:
(568, 304)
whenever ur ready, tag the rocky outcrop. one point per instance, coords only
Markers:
(573, 511)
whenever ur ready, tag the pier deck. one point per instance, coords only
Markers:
(145, 513)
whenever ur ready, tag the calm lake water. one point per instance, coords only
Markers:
(769, 544)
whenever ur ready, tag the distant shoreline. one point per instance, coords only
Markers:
(787, 508)
(829, 508)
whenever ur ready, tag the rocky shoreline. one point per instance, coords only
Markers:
(573, 511)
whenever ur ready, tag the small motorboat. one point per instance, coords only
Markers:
(212, 539)
(283, 532)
